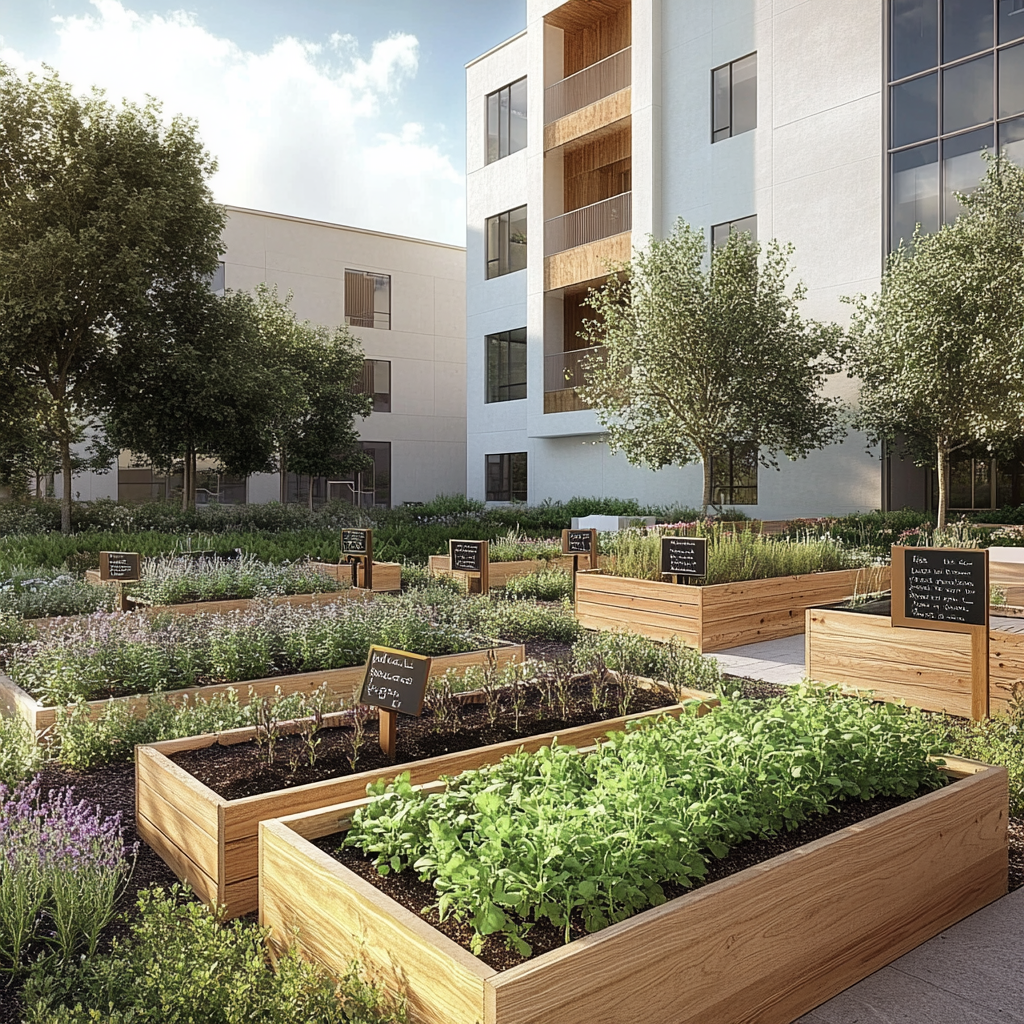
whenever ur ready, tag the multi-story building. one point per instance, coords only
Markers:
(404, 300)
(835, 125)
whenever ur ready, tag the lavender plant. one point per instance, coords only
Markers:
(62, 869)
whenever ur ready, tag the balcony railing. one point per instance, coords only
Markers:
(563, 373)
(588, 224)
(587, 86)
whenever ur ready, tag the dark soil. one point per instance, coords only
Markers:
(243, 769)
(415, 895)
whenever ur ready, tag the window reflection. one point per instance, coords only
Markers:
(1011, 81)
(915, 36)
(962, 168)
(1011, 139)
(1011, 20)
(915, 110)
(915, 192)
(966, 28)
(967, 94)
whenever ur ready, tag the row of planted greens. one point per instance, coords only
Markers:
(116, 654)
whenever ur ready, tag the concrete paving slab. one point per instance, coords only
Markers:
(973, 973)
(775, 661)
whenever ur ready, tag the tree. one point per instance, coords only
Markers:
(102, 211)
(939, 349)
(700, 358)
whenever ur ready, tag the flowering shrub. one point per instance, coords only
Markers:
(62, 868)
(36, 593)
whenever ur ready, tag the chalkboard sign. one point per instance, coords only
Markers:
(355, 542)
(395, 680)
(577, 542)
(684, 556)
(939, 588)
(125, 566)
(467, 555)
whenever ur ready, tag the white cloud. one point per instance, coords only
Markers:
(303, 129)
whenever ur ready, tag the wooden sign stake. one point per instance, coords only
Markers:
(388, 731)
(485, 570)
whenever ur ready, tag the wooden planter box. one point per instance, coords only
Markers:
(387, 576)
(927, 668)
(211, 843)
(499, 572)
(717, 617)
(341, 682)
(765, 945)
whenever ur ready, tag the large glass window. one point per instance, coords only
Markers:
(506, 242)
(734, 98)
(506, 476)
(506, 121)
(368, 299)
(734, 476)
(368, 488)
(955, 90)
(138, 482)
(376, 381)
(720, 232)
(506, 365)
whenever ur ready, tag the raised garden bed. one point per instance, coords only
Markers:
(499, 572)
(766, 944)
(926, 668)
(211, 842)
(716, 617)
(340, 682)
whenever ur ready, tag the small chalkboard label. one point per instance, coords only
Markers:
(355, 542)
(684, 556)
(940, 585)
(395, 680)
(125, 566)
(466, 555)
(577, 542)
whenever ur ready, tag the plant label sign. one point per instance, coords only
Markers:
(577, 542)
(123, 566)
(356, 542)
(395, 680)
(467, 555)
(940, 588)
(684, 556)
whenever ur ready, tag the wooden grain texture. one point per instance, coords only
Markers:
(341, 917)
(926, 668)
(765, 945)
(609, 116)
(500, 572)
(586, 262)
(716, 617)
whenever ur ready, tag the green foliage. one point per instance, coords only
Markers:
(548, 835)
(938, 350)
(734, 556)
(183, 964)
(40, 593)
(20, 755)
(699, 359)
(515, 546)
(674, 663)
(543, 585)
(522, 621)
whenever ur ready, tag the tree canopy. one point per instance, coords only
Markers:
(939, 349)
(103, 210)
(700, 357)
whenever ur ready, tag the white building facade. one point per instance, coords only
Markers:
(765, 115)
(404, 300)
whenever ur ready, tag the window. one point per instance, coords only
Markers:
(376, 381)
(734, 476)
(506, 365)
(506, 242)
(367, 488)
(956, 73)
(217, 280)
(506, 121)
(139, 482)
(734, 98)
(367, 299)
(506, 477)
(720, 232)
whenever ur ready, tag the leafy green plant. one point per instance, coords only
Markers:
(39, 592)
(20, 754)
(183, 963)
(515, 546)
(551, 834)
(544, 585)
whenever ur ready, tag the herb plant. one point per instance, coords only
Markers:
(568, 839)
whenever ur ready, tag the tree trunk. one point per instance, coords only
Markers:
(193, 479)
(284, 477)
(942, 465)
(705, 461)
(185, 465)
(65, 501)
(310, 492)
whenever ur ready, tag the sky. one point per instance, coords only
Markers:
(349, 111)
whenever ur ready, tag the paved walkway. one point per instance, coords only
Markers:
(973, 973)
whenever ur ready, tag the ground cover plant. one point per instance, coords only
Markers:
(515, 546)
(117, 654)
(180, 962)
(732, 556)
(39, 592)
(553, 836)
(544, 585)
